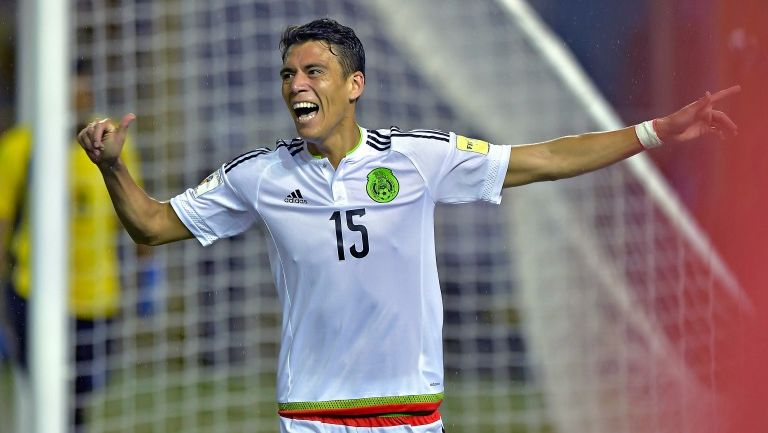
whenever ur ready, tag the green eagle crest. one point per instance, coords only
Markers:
(382, 185)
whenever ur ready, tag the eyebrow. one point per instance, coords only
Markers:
(315, 65)
(309, 66)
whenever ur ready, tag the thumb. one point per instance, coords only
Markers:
(122, 130)
(126, 122)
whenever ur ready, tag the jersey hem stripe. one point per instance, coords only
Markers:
(385, 420)
(365, 406)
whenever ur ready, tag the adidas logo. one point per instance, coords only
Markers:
(295, 197)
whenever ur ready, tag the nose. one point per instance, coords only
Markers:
(299, 82)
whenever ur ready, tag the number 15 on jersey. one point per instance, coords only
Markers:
(349, 216)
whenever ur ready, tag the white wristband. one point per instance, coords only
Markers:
(647, 135)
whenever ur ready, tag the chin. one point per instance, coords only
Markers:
(307, 133)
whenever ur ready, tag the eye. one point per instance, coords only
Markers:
(314, 72)
(286, 75)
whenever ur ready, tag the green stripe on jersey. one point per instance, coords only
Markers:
(360, 402)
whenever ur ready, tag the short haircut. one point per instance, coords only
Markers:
(343, 42)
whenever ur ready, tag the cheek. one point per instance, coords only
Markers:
(337, 97)
(285, 90)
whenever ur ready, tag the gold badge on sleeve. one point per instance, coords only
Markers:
(208, 184)
(471, 145)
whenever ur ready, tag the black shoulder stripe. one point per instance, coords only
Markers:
(247, 155)
(380, 147)
(425, 136)
(241, 159)
(379, 140)
(431, 131)
(293, 147)
(378, 134)
(290, 144)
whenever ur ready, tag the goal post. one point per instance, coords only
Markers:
(44, 93)
(593, 304)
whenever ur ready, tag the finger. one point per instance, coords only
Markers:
(86, 137)
(726, 93)
(85, 140)
(98, 132)
(700, 104)
(721, 121)
(108, 125)
(127, 120)
(88, 130)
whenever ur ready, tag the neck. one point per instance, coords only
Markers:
(336, 146)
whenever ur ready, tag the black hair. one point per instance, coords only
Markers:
(348, 48)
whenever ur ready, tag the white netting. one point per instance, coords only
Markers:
(576, 306)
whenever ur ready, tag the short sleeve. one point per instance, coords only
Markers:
(213, 210)
(458, 169)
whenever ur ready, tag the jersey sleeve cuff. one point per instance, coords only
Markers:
(196, 224)
(497, 169)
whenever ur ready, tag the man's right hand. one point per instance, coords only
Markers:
(103, 141)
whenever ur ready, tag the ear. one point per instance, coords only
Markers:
(356, 85)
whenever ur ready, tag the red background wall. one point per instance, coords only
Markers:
(740, 224)
(709, 47)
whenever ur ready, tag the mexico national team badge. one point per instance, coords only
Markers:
(382, 185)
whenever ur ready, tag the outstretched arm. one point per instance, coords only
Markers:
(147, 220)
(573, 155)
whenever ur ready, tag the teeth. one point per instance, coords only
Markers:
(306, 117)
(304, 105)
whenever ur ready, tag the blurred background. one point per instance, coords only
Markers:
(588, 305)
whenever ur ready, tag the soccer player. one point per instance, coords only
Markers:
(349, 218)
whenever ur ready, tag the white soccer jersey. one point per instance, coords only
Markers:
(353, 258)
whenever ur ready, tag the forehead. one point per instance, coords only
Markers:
(310, 52)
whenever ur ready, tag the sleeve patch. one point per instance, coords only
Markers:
(471, 145)
(208, 184)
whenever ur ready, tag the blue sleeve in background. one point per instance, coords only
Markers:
(151, 278)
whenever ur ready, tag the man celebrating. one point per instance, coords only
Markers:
(349, 216)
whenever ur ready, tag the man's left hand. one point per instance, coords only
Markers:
(698, 119)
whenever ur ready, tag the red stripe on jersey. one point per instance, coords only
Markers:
(372, 421)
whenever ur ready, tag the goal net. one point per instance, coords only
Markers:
(586, 305)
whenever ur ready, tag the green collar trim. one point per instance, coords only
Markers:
(359, 142)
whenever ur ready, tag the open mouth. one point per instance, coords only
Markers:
(305, 110)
